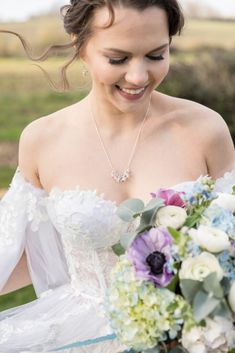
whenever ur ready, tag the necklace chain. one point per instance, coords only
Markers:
(120, 177)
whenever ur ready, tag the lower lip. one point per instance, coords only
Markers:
(131, 97)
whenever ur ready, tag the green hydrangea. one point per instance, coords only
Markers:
(141, 315)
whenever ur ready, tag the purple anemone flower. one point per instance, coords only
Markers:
(170, 197)
(151, 256)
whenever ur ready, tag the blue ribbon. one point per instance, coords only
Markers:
(87, 343)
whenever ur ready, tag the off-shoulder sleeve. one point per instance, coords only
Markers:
(25, 225)
(226, 183)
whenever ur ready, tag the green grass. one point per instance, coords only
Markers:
(206, 33)
(6, 174)
(27, 95)
(19, 297)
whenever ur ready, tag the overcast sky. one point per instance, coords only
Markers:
(20, 10)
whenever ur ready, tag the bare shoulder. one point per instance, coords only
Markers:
(209, 131)
(36, 136)
(192, 112)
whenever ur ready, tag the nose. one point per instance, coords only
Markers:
(137, 73)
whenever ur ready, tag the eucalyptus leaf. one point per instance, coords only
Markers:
(127, 239)
(143, 228)
(150, 212)
(147, 217)
(203, 305)
(153, 204)
(226, 284)
(190, 288)
(128, 209)
(223, 310)
(212, 285)
(232, 351)
(118, 249)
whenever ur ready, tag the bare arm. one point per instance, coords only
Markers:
(19, 278)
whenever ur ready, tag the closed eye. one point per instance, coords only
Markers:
(117, 61)
(157, 58)
(122, 61)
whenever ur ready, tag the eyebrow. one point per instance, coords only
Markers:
(126, 52)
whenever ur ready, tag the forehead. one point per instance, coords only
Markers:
(131, 27)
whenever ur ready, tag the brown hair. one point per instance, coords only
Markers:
(78, 18)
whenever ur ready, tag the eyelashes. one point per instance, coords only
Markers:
(122, 61)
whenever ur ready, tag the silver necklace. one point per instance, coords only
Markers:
(121, 177)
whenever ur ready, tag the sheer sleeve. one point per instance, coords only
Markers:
(24, 225)
(225, 183)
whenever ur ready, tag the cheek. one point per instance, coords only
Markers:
(104, 73)
(164, 69)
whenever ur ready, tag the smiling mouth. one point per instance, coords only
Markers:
(131, 91)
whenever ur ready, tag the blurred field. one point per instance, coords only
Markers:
(206, 33)
(27, 95)
(42, 32)
(199, 72)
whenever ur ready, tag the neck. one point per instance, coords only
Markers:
(112, 120)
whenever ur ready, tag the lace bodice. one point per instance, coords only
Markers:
(89, 226)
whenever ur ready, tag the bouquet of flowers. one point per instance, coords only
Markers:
(173, 287)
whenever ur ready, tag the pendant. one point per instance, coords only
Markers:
(120, 178)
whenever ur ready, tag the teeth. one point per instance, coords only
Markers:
(132, 91)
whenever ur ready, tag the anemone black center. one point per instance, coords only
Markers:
(156, 260)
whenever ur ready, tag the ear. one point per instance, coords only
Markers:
(73, 38)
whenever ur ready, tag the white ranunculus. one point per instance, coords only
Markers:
(210, 239)
(216, 337)
(171, 216)
(225, 200)
(199, 267)
(231, 297)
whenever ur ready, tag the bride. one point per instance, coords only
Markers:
(58, 219)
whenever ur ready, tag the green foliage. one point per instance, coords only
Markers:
(17, 298)
(6, 174)
(129, 209)
(234, 190)
(205, 296)
(18, 111)
(118, 249)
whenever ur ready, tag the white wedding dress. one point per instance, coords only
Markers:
(67, 236)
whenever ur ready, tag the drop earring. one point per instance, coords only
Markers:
(84, 72)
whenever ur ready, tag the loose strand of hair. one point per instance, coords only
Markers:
(46, 53)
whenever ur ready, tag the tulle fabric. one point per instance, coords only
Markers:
(62, 314)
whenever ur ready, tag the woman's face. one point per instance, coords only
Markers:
(128, 60)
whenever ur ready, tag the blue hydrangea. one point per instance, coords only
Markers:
(227, 262)
(202, 192)
(193, 249)
(218, 217)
